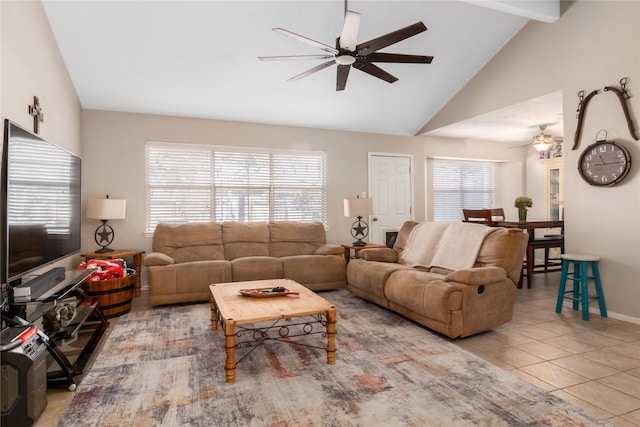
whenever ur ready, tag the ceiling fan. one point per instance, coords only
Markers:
(348, 53)
(543, 142)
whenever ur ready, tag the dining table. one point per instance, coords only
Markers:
(530, 227)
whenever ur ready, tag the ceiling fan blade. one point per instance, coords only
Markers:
(307, 40)
(520, 144)
(294, 57)
(343, 73)
(366, 48)
(374, 70)
(349, 36)
(398, 57)
(312, 70)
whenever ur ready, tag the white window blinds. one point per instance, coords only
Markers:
(461, 185)
(187, 183)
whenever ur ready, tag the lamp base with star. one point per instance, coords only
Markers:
(104, 233)
(359, 230)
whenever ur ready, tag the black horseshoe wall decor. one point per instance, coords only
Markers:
(623, 96)
(582, 108)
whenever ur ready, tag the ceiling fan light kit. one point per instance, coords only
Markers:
(545, 142)
(345, 60)
(540, 145)
(349, 53)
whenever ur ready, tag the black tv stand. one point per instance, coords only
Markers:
(38, 285)
(69, 373)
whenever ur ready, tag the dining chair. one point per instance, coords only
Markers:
(497, 214)
(555, 261)
(478, 216)
(548, 242)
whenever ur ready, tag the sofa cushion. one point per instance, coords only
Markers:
(256, 268)
(188, 277)
(370, 276)
(245, 239)
(308, 269)
(194, 241)
(330, 249)
(295, 238)
(424, 293)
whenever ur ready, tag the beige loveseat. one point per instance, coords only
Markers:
(188, 257)
(454, 302)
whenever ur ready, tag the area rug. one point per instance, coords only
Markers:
(165, 367)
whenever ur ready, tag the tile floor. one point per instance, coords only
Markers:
(594, 364)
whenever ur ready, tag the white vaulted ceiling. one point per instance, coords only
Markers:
(199, 58)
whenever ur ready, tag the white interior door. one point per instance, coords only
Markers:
(390, 187)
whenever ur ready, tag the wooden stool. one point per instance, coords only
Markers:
(580, 291)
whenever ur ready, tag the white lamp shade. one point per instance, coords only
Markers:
(358, 207)
(106, 208)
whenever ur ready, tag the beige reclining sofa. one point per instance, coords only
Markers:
(455, 278)
(188, 257)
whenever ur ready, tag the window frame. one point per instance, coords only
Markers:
(266, 186)
(453, 212)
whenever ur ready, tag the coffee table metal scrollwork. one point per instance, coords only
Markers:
(283, 318)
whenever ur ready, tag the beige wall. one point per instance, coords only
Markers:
(113, 149)
(593, 45)
(32, 65)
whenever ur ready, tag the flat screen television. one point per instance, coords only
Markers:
(40, 214)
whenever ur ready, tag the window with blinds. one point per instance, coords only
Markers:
(461, 185)
(195, 183)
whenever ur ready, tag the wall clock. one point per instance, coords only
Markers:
(604, 163)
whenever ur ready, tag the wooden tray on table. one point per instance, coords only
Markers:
(266, 292)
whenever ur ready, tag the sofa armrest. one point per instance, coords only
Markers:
(157, 259)
(329, 249)
(379, 254)
(477, 276)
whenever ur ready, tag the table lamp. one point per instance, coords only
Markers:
(104, 210)
(358, 207)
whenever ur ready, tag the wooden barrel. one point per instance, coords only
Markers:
(115, 294)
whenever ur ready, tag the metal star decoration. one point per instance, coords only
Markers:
(360, 229)
(105, 235)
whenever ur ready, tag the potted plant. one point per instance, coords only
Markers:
(522, 203)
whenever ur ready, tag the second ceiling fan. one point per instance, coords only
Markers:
(348, 53)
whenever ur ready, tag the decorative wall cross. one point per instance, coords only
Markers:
(36, 112)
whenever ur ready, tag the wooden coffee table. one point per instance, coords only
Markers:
(232, 310)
